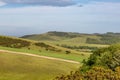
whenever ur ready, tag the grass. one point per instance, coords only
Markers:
(21, 67)
(78, 41)
(72, 56)
(74, 43)
(34, 49)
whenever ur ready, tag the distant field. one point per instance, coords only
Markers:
(76, 38)
(74, 43)
(20, 67)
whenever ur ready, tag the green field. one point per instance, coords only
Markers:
(40, 48)
(74, 57)
(20, 67)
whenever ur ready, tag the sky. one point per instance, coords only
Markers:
(23, 17)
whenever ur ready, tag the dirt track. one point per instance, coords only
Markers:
(51, 58)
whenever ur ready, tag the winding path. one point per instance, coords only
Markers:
(34, 55)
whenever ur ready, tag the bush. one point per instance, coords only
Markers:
(79, 47)
(68, 52)
(108, 38)
(106, 57)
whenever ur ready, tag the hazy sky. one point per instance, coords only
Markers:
(20, 17)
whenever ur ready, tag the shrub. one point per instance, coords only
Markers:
(95, 73)
(68, 52)
(103, 64)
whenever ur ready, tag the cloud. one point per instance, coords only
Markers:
(2, 3)
(41, 2)
(59, 3)
(106, 0)
(90, 18)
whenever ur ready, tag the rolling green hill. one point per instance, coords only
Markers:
(23, 67)
(40, 48)
(75, 41)
(77, 38)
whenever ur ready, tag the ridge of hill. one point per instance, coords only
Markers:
(96, 38)
(52, 35)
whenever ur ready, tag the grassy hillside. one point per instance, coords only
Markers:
(40, 48)
(13, 42)
(19, 43)
(72, 56)
(76, 40)
(21, 67)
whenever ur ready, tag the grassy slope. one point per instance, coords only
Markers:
(20, 67)
(32, 45)
(74, 55)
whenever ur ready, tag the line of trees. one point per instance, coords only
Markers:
(79, 47)
(109, 38)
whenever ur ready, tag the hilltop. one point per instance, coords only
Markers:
(35, 60)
